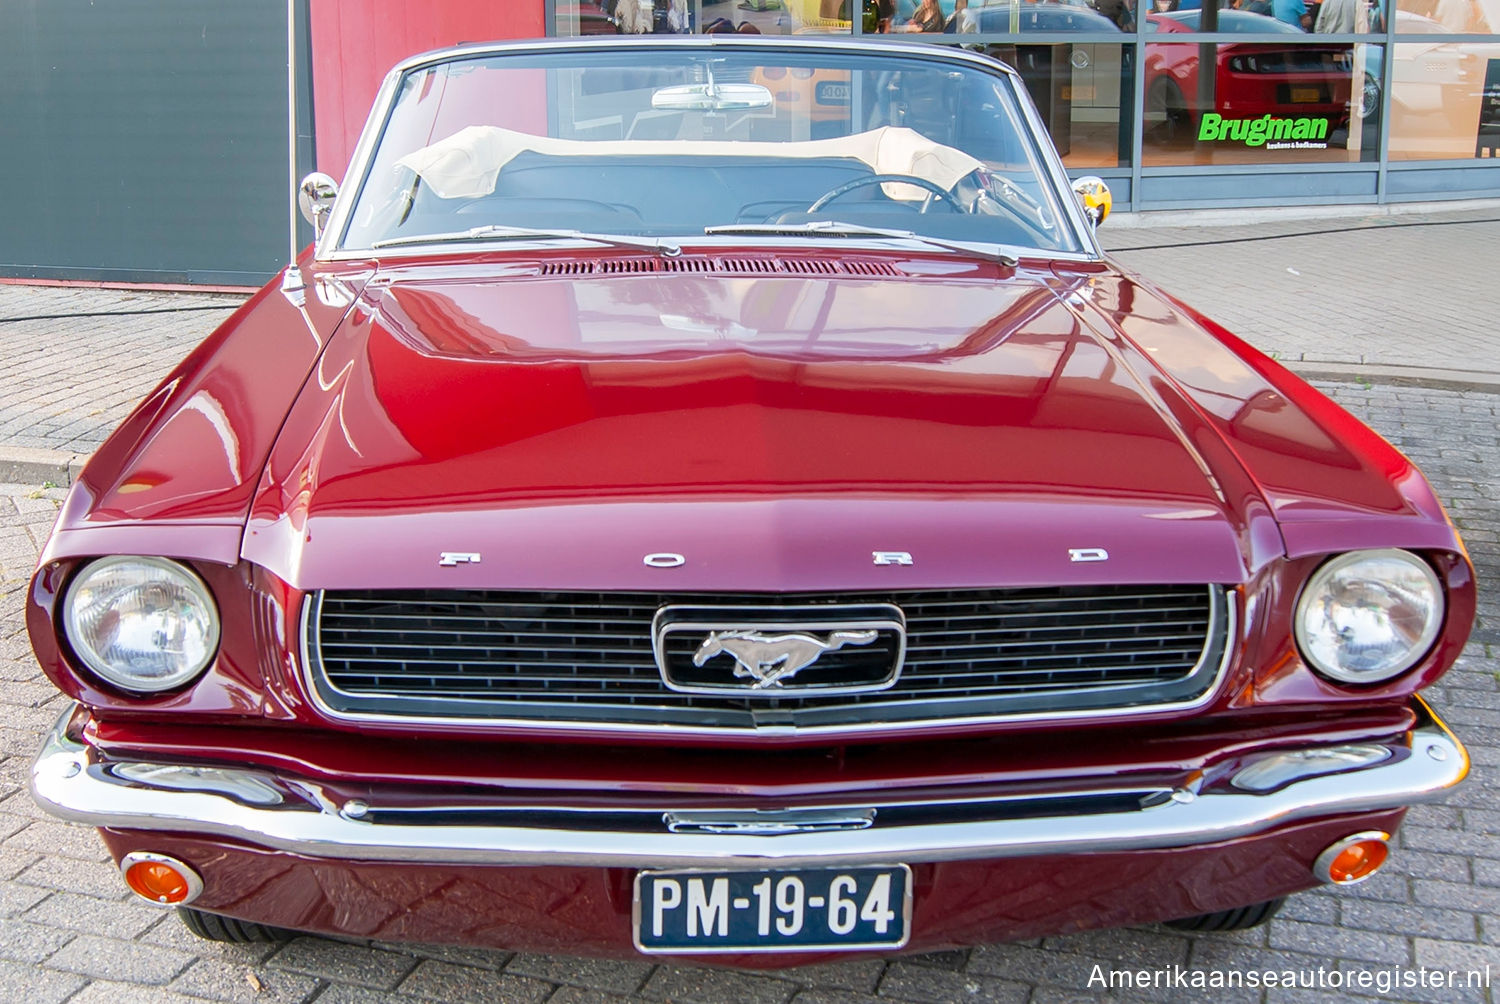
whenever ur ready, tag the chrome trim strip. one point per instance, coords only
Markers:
(71, 781)
(1223, 623)
(330, 247)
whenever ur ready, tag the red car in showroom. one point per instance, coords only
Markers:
(639, 526)
(1251, 79)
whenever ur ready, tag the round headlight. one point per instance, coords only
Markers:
(1367, 616)
(143, 624)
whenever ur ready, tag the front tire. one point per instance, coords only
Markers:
(212, 927)
(1237, 919)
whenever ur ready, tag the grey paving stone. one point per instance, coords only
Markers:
(675, 983)
(226, 981)
(36, 986)
(1366, 946)
(1462, 955)
(615, 976)
(109, 992)
(343, 993)
(444, 981)
(92, 878)
(16, 898)
(906, 981)
(112, 959)
(76, 912)
(1451, 925)
(22, 941)
(463, 955)
(1043, 966)
(579, 995)
(59, 838)
(856, 977)
(824, 995)
(1151, 947)
(342, 962)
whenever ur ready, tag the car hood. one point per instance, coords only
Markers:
(774, 429)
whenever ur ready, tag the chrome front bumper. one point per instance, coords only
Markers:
(1256, 793)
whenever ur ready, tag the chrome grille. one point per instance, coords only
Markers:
(586, 657)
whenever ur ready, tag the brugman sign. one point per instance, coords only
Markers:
(1272, 133)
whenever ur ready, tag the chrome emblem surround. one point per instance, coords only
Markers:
(1087, 554)
(663, 559)
(770, 645)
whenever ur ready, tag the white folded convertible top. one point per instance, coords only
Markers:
(468, 163)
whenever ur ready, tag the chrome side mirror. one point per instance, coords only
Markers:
(315, 198)
(1093, 195)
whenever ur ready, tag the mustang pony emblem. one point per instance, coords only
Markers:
(771, 658)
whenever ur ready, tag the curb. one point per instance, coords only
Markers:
(1428, 377)
(24, 465)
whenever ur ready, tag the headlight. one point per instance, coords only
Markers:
(1367, 616)
(143, 624)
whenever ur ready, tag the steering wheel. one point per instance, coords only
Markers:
(932, 188)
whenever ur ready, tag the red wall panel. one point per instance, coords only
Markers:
(355, 42)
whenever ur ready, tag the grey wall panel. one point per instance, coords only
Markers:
(143, 141)
(1443, 183)
(1227, 187)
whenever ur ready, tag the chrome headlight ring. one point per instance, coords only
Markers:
(1369, 616)
(141, 624)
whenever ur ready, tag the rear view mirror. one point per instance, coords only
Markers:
(1093, 195)
(315, 198)
(711, 97)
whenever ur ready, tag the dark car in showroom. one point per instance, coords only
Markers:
(653, 520)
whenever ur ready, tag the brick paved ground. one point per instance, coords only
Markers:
(73, 361)
(70, 931)
(1409, 290)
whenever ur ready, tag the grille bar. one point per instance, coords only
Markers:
(586, 659)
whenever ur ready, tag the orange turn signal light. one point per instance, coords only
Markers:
(1353, 859)
(160, 879)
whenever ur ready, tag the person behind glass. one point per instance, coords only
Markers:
(1163, 6)
(963, 21)
(929, 17)
(1118, 11)
(1292, 12)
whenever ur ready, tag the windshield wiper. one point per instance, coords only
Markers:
(834, 228)
(499, 233)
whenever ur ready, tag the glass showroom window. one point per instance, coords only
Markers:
(1082, 90)
(1445, 100)
(689, 17)
(1261, 103)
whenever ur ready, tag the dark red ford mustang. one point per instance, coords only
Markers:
(661, 516)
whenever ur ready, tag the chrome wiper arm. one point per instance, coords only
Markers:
(495, 232)
(835, 228)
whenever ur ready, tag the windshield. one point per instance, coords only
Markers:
(662, 144)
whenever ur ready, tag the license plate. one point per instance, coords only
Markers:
(1306, 95)
(773, 911)
(831, 92)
